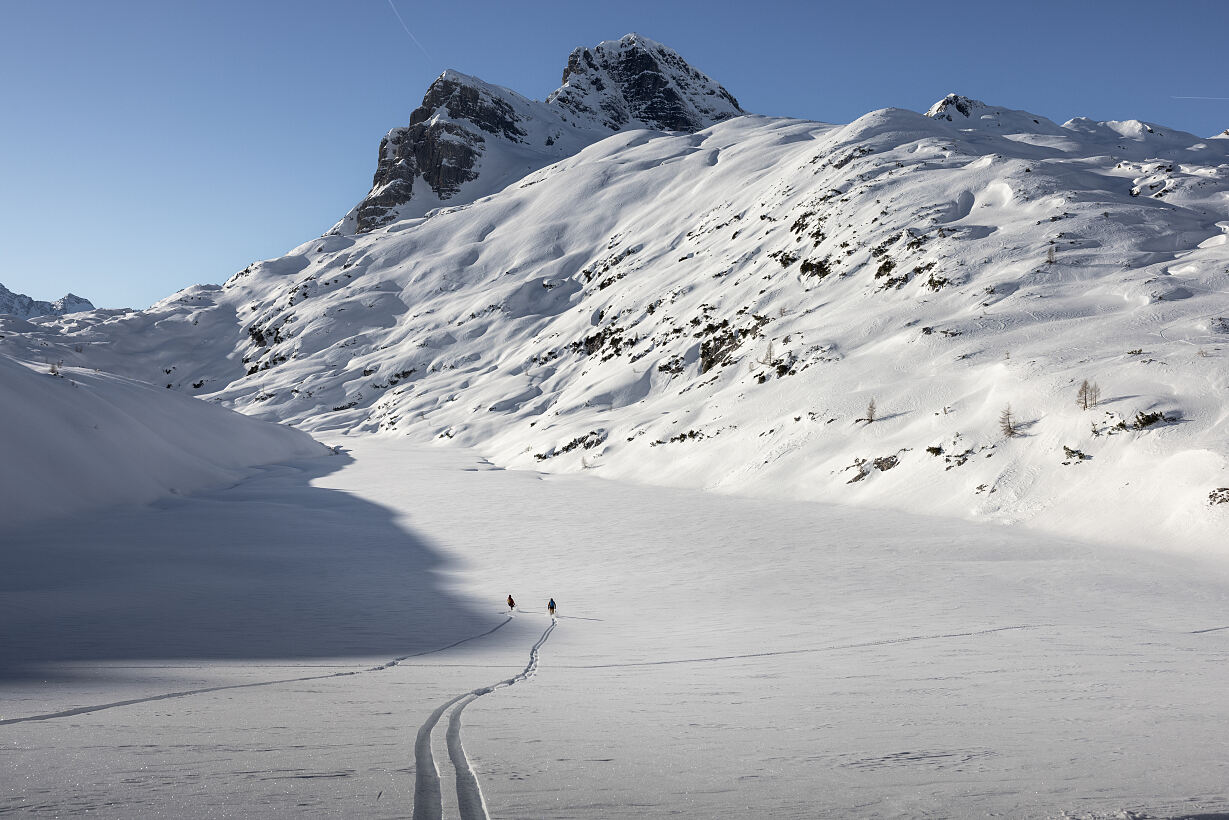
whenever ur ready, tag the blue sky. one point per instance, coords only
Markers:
(152, 144)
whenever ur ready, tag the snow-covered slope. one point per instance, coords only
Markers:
(720, 308)
(75, 440)
(24, 307)
(470, 138)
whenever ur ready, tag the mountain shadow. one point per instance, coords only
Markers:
(271, 568)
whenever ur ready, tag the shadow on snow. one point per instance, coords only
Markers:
(271, 568)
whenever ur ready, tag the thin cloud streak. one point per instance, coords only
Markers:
(407, 30)
(1176, 98)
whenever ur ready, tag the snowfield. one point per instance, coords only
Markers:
(713, 657)
(880, 470)
(78, 440)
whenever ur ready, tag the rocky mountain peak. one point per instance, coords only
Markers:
(466, 127)
(456, 96)
(968, 113)
(635, 80)
(956, 107)
(441, 146)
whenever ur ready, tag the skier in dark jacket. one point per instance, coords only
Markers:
(511, 604)
(550, 607)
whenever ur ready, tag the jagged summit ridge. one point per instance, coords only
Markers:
(25, 307)
(466, 128)
(640, 81)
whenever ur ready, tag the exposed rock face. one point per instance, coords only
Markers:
(23, 307)
(635, 80)
(440, 145)
(967, 113)
(955, 106)
(628, 83)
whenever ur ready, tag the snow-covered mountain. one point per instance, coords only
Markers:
(469, 138)
(24, 307)
(716, 300)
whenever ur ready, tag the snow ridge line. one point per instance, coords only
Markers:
(83, 710)
(885, 642)
(427, 792)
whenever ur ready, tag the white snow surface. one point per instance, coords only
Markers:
(717, 310)
(78, 440)
(328, 639)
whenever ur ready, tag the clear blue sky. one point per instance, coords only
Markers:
(151, 144)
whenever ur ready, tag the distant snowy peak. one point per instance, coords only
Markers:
(24, 307)
(954, 105)
(641, 82)
(966, 112)
(466, 128)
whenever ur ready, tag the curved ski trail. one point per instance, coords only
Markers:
(85, 710)
(471, 805)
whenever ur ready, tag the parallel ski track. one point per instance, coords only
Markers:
(837, 648)
(84, 710)
(428, 797)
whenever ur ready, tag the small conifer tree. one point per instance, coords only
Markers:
(1007, 423)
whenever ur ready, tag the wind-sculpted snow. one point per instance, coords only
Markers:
(76, 440)
(719, 309)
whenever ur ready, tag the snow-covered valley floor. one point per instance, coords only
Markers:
(713, 656)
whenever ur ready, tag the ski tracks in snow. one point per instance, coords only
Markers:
(83, 710)
(428, 797)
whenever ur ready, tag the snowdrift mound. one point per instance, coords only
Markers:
(77, 440)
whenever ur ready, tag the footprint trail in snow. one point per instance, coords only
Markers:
(470, 803)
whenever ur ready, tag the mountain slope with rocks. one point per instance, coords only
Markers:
(973, 312)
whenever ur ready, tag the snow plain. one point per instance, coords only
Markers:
(713, 656)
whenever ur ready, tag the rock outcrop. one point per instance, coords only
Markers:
(636, 81)
(955, 106)
(441, 145)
